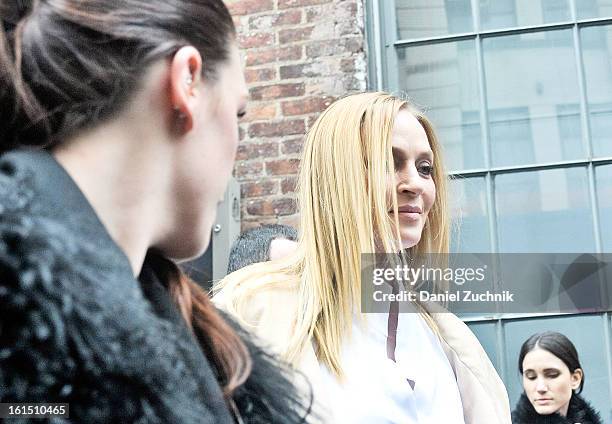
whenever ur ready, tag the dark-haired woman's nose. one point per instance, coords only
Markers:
(541, 386)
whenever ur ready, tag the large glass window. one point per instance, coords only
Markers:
(544, 211)
(528, 77)
(597, 56)
(469, 208)
(495, 14)
(443, 80)
(520, 93)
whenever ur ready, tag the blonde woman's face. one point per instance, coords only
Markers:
(413, 180)
(548, 382)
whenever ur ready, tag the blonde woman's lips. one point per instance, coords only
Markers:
(409, 212)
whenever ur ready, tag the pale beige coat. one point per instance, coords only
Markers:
(271, 314)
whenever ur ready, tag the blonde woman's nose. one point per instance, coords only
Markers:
(410, 183)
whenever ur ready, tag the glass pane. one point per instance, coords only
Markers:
(443, 80)
(513, 13)
(586, 9)
(485, 332)
(468, 203)
(585, 332)
(544, 212)
(596, 48)
(426, 18)
(603, 177)
(533, 98)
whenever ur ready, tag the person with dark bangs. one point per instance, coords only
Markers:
(118, 127)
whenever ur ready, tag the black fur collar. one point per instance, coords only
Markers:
(579, 411)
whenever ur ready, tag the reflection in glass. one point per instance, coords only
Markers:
(533, 98)
(596, 48)
(603, 178)
(544, 211)
(499, 14)
(468, 204)
(443, 80)
(427, 18)
(587, 9)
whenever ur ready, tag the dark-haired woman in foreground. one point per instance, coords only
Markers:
(119, 125)
(552, 380)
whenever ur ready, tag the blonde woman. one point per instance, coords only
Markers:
(371, 180)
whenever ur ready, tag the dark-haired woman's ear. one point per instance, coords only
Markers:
(185, 72)
(576, 379)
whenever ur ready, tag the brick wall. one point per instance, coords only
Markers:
(299, 55)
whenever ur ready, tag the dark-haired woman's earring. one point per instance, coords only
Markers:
(179, 114)
(189, 80)
(179, 120)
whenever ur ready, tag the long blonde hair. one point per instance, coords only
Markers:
(342, 193)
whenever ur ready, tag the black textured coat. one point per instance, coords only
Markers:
(579, 411)
(76, 327)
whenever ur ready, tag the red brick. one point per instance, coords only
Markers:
(277, 91)
(290, 220)
(259, 57)
(284, 4)
(277, 129)
(274, 20)
(244, 7)
(294, 71)
(311, 120)
(274, 207)
(247, 151)
(343, 11)
(351, 83)
(293, 35)
(260, 112)
(259, 75)
(282, 167)
(329, 66)
(258, 188)
(335, 47)
(307, 105)
(288, 185)
(247, 224)
(292, 146)
(248, 169)
(257, 39)
(348, 65)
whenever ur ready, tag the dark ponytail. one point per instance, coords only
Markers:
(19, 105)
(223, 347)
(68, 65)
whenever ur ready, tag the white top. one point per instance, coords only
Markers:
(376, 390)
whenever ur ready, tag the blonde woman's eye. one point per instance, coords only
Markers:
(425, 169)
